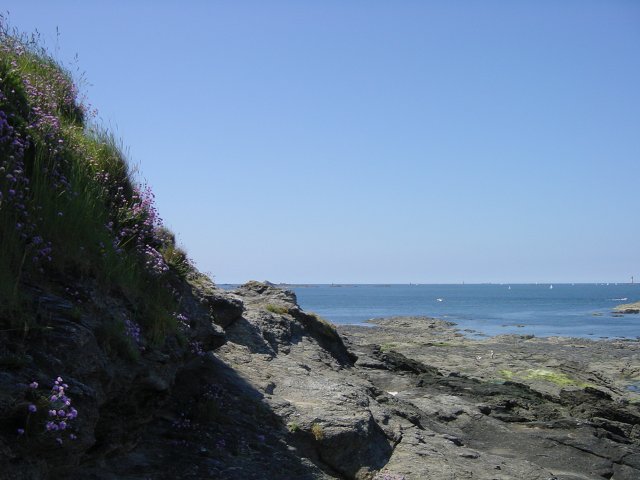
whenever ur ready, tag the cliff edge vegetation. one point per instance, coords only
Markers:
(99, 309)
(69, 207)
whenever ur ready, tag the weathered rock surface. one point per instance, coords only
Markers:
(281, 394)
(223, 307)
(551, 408)
(309, 387)
(511, 407)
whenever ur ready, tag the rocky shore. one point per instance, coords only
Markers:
(414, 398)
(278, 393)
(628, 308)
(512, 406)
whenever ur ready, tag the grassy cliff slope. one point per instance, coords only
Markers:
(99, 310)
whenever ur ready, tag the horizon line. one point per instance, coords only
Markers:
(436, 283)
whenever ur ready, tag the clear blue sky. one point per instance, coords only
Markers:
(375, 141)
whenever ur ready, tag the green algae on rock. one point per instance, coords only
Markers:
(627, 308)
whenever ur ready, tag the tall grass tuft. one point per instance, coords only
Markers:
(69, 206)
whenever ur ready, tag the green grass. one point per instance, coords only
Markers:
(277, 309)
(293, 427)
(176, 257)
(326, 327)
(112, 338)
(80, 198)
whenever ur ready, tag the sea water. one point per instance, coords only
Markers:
(577, 310)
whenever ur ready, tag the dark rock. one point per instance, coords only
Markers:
(397, 362)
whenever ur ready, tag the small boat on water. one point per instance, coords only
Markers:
(439, 299)
(550, 287)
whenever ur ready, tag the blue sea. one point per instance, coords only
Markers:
(577, 310)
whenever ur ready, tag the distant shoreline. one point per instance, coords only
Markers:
(506, 284)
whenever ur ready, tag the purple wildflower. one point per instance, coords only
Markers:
(197, 349)
(61, 414)
(134, 332)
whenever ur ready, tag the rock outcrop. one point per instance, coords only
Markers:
(627, 308)
(277, 393)
(117, 382)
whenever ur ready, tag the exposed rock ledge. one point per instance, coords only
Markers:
(288, 397)
(414, 398)
(628, 308)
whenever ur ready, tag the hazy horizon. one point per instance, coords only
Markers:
(605, 283)
(386, 142)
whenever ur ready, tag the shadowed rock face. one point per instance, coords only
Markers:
(116, 386)
(283, 395)
(223, 308)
